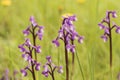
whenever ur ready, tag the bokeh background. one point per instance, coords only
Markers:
(93, 53)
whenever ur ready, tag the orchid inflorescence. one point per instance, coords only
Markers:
(106, 25)
(30, 50)
(67, 33)
(50, 67)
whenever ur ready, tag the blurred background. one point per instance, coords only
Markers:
(93, 53)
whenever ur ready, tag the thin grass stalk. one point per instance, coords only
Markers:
(80, 67)
(73, 61)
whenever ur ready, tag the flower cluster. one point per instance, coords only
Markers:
(68, 34)
(105, 25)
(49, 68)
(30, 49)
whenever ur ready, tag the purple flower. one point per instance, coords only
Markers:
(68, 34)
(49, 68)
(105, 25)
(104, 37)
(107, 31)
(29, 55)
(21, 47)
(118, 30)
(46, 71)
(101, 26)
(40, 35)
(24, 73)
(49, 59)
(73, 18)
(37, 66)
(41, 29)
(80, 39)
(26, 57)
(38, 49)
(27, 42)
(56, 43)
(32, 20)
(70, 48)
(26, 31)
(60, 69)
(114, 15)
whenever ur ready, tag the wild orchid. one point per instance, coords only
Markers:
(68, 34)
(107, 26)
(50, 67)
(29, 49)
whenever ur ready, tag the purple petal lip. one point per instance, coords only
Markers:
(24, 73)
(56, 43)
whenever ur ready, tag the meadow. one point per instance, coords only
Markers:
(93, 53)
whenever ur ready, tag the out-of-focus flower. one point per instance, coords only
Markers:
(24, 73)
(81, 1)
(108, 28)
(60, 69)
(37, 67)
(6, 2)
(104, 37)
(49, 68)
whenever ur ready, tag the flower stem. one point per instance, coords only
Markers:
(33, 72)
(73, 60)
(52, 71)
(66, 56)
(67, 64)
(34, 41)
(110, 45)
(53, 78)
(110, 41)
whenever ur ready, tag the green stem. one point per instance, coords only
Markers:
(80, 67)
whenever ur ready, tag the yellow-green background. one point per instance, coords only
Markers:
(93, 53)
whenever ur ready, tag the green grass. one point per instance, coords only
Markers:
(93, 54)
